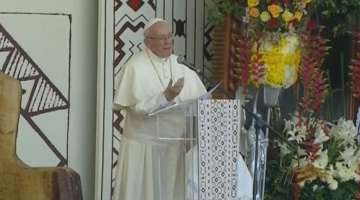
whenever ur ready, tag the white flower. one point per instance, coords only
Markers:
(344, 172)
(301, 152)
(297, 133)
(344, 130)
(344, 133)
(333, 184)
(284, 149)
(320, 136)
(315, 187)
(292, 44)
(290, 75)
(348, 155)
(302, 162)
(322, 160)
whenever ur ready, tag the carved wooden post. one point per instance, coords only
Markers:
(17, 180)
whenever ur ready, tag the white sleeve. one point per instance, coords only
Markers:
(129, 95)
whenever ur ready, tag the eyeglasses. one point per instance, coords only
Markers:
(161, 37)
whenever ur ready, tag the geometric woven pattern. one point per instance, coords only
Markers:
(219, 132)
(40, 95)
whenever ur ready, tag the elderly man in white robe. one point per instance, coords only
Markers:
(150, 168)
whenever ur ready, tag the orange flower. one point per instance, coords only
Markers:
(275, 10)
(254, 12)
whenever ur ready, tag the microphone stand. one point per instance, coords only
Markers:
(264, 124)
(259, 178)
(256, 183)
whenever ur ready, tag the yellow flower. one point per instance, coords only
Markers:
(265, 16)
(275, 10)
(274, 75)
(254, 12)
(252, 3)
(306, 1)
(298, 15)
(287, 15)
(281, 60)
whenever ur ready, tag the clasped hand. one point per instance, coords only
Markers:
(173, 91)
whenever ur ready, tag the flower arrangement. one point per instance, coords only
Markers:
(286, 14)
(270, 31)
(280, 16)
(272, 59)
(262, 15)
(327, 158)
(280, 58)
(325, 164)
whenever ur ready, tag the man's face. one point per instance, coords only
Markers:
(159, 39)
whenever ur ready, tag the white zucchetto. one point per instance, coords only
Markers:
(152, 22)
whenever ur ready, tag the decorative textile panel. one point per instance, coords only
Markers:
(219, 132)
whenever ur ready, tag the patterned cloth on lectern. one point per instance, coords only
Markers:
(219, 131)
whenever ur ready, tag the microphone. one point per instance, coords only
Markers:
(182, 60)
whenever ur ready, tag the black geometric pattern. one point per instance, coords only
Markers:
(118, 119)
(219, 132)
(208, 41)
(119, 43)
(180, 28)
(118, 4)
(42, 96)
(152, 3)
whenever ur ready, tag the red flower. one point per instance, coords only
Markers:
(312, 24)
(311, 149)
(273, 23)
(286, 2)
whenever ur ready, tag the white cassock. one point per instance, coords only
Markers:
(149, 168)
